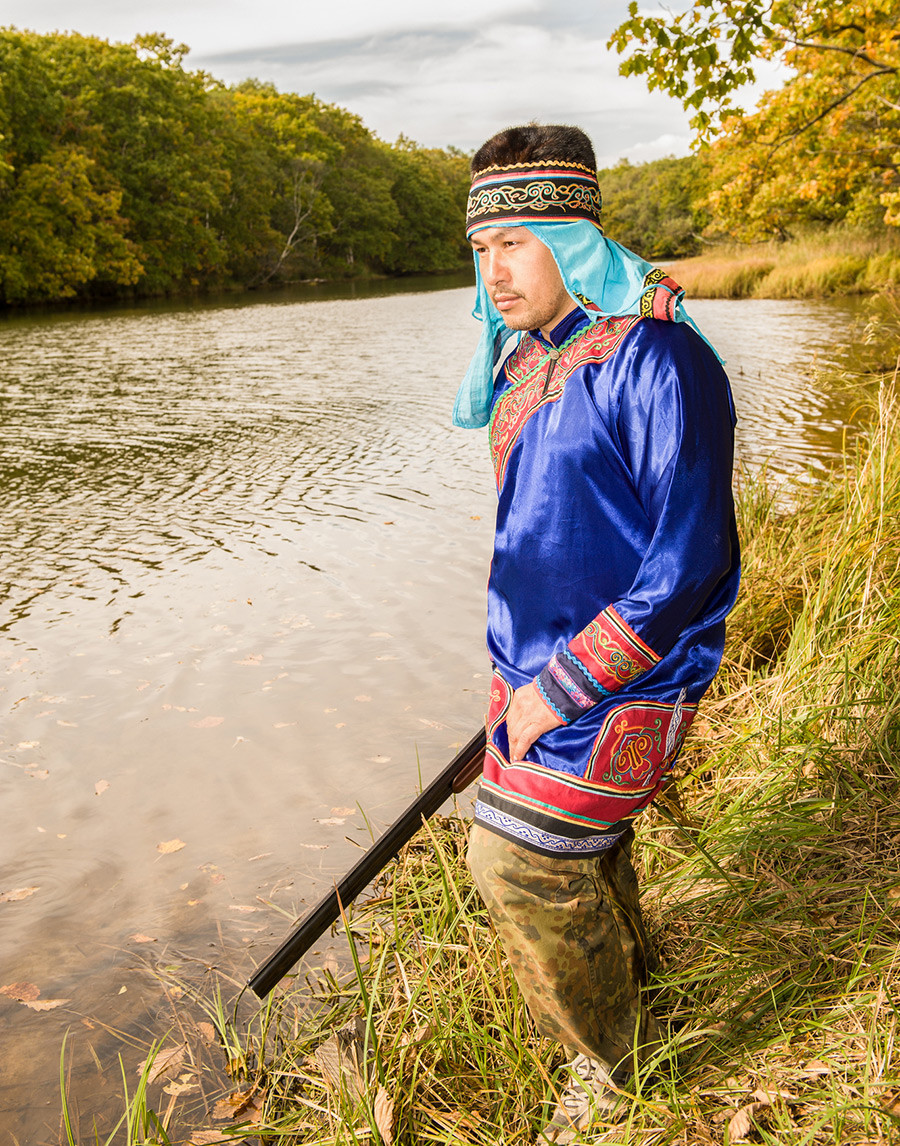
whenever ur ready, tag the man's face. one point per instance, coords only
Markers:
(522, 278)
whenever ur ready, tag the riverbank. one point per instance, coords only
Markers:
(770, 875)
(828, 264)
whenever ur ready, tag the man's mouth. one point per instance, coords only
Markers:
(505, 301)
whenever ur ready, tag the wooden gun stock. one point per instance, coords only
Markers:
(458, 774)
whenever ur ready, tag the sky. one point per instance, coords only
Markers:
(441, 77)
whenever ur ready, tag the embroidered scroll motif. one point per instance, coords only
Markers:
(638, 742)
(527, 370)
(611, 651)
(557, 811)
(549, 193)
(660, 297)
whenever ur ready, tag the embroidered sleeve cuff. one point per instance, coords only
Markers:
(609, 653)
(567, 688)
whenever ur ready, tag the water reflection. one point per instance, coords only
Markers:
(242, 563)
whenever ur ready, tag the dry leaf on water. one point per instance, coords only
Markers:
(243, 1104)
(166, 1060)
(139, 938)
(21, 992)
(343, 811)
(27, 994)
(335, 821)
(19, 893)
(210, 1138)
(208, 722)
(384, 1116)
(169, 846)
(100, 787)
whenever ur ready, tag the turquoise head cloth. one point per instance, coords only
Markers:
(604, 278)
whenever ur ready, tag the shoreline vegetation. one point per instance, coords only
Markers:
(125, 176)
(770, 874)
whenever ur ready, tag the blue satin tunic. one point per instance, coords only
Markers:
(615, 564)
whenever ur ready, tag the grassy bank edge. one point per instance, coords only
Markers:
(831, 264)
(771, 881)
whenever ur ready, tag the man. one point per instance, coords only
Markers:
(615, 563)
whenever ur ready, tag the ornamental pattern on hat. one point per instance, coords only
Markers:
(545, 193)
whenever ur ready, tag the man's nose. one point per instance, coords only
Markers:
(495, 269)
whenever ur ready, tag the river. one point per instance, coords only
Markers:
(243, 558)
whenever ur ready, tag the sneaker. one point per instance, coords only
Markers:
(588, 1094)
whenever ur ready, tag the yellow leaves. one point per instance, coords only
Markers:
(168, 846)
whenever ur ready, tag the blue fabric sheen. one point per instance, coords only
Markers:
(619, 493)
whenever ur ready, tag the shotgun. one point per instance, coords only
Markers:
(458, 774)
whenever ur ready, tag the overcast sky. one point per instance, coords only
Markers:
(439, 76)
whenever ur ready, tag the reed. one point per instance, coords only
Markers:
(824, 265)
(771, 880)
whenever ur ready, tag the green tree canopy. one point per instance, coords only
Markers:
(824, 147)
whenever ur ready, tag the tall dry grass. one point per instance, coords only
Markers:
(823, 265)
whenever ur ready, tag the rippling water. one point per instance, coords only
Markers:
(242, 563)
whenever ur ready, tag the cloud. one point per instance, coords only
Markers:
(456, 85)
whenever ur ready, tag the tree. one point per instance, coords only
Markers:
(649, 207)
(824, 147)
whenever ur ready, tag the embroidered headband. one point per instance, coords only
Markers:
(541, 193)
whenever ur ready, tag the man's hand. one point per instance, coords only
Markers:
(527, 719)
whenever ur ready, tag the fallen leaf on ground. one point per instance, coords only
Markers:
(169, 846)
(19, 893)
(166, 1060)
(343, 811)
(21, 992)
(100, 787)
(46, 1004)
(139, 938)
(384, 1115)
(207, 722)
(890, 1103)
(741, 1122)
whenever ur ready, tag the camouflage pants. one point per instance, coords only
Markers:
(572, 930)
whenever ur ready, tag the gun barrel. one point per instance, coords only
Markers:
(319, 918)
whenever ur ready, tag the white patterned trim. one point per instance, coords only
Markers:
(548, 841)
